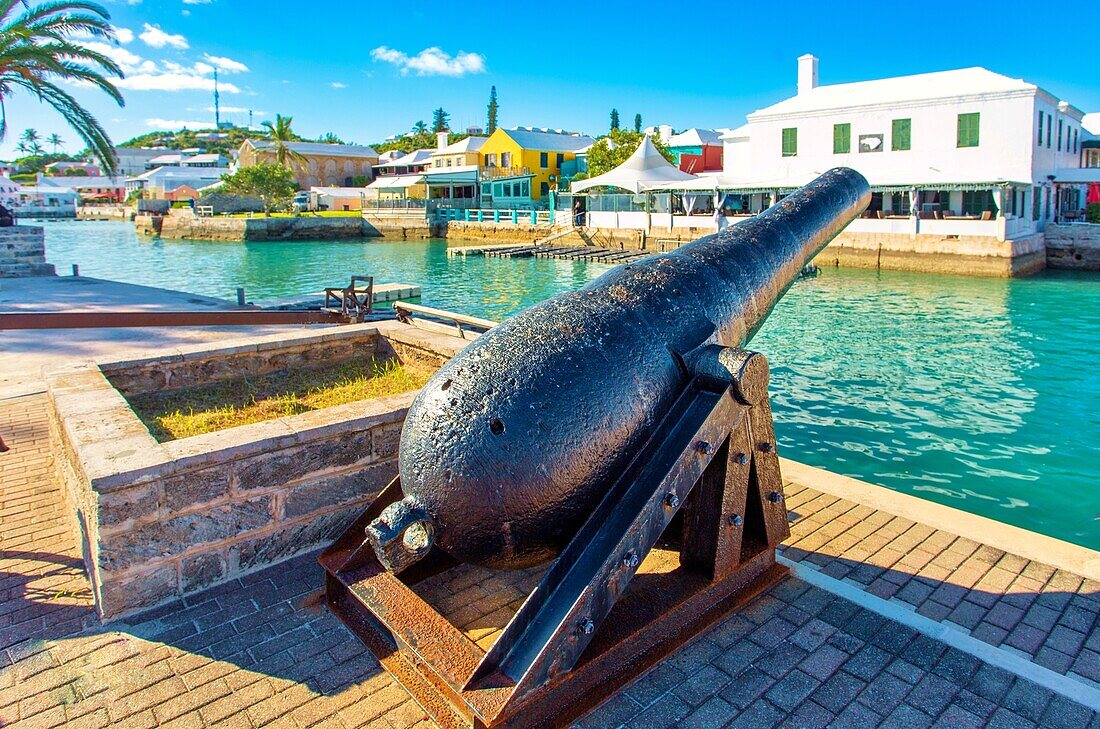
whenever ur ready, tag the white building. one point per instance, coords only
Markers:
(969, 146)
(155, 183)
(135, 160)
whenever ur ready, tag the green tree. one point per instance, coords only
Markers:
(39, 53)
(611, 151)
(55, 141)
(331, 138)
(614, 120)
(30, 136)
(491, 126)
(272, 183)
(638, 123)
(420, 127)
(441, 120)
(279, 133)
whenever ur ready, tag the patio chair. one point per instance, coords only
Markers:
(987, 215)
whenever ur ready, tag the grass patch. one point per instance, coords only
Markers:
(221, 405)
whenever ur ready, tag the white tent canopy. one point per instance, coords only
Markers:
(644, 169)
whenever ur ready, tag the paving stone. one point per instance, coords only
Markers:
(714, 712)
(856, 716)
(809, 715)
(824, 662)
(665, 712)
(1027, 699)
(906, 671)
(932, 694)
(758, 715)
(791, 690)
(781, 659)
(1062, 713)
(884, 692)
(1005, 719)
(906, 717)
(617, 710)
(838, 691)
(956, 717)
(701, 685)
(868, 663)
(745, 688)
(956, 666)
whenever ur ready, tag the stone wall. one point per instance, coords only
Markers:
(23, 252)
(973, 256)
(490, 231)
(1073, 246)
(146, 224)
(161, 520)
(396, 225)
(105, 212)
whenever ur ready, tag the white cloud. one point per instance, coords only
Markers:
(172, 125)
(124, 35)
(157, 38)
(431, 61)
(338, 85)
(226, 64)
(173, 81)
(197, 2)
(126, 59)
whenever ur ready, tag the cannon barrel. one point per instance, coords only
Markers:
(512, 444)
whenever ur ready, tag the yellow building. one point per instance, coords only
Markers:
(525, 163)
(463, 153)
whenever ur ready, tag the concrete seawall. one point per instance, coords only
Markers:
(182, 224)
(1073, 246)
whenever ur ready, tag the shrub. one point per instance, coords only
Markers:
(1092, 213)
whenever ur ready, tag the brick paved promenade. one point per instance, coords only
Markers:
(261, 651)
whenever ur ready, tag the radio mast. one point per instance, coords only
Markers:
(217, 107)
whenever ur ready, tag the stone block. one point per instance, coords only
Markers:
(201, 570)
(270, 470)
(175, 535)
(386, 439)
(135, 592)
(291, 540)
(347, 488)
(195, 488)
(122, 505)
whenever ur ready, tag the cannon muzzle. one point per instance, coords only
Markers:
(512, 444)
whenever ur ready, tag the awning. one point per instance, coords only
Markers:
(397, 182)
(645, 169)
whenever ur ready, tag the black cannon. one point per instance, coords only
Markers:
(588, 428)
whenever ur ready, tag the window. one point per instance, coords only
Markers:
(506, 160)
(525, 191)
(544, 160)
(842, 138)
(1049, 117)
(968, 129)
(544, 189)
(899, 138)
(899, 204)
(1059, 135)
(790, 142)
(976, 202)
(1036, 203)
(491, 160)
(1040, 140)
(561, 158)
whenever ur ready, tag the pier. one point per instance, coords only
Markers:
(579, 253)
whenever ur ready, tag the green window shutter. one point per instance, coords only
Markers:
(790, 142)
(900, 136)
(842, 138)
(968, 130)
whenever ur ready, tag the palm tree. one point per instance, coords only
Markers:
(38, 54)
(36, 149)
(280, 134)
(30, 136)
(55, 141)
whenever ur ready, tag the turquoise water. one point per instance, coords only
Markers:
(977, 393)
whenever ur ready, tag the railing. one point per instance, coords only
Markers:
(496, 215)
(493, 173)
(398, 204)
(405, 313)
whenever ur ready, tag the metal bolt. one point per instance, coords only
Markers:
(742, 458)
(704, 447)
(735, 520)
(586, 627)
(766, 447)
(775, 497)
(672, 500)
(630, 559)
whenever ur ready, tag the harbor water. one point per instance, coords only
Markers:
(982, 394)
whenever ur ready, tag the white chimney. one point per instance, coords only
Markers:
(807, 73)
(441, 139)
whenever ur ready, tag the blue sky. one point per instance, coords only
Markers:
(366, 70)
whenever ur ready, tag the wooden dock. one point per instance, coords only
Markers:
(578, 253)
